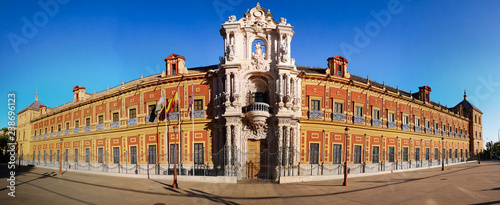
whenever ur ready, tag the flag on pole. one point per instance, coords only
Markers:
(160, 106)
(174, 101)
(191, 101)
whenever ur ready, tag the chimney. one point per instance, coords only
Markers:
(175, 64)
(337, 66)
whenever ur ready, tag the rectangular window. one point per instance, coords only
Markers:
(314, 153)
(50, 155)
(151, 109)
(427, 154)
(152, 154)
(67, 126)
(87, 122)
(44, 154)
(375, 152)
(358, 111)
(45, 130)
(391, 154)
(405, 119)
(87, 155)
(38, 155)
(58, 155)
(66, 155)
(174, 69)
(173, 153)
(198, 153)
(449, 129)
(427, 124)
(339, 70)
(338, 107)
(115, 117)
(315, 104)
(51, 129)
(456, 153)
(449, 153)
(376, 114)
(444, 154)
(405, 154)
(436, 126)
(417, 154)
(417, 122)
(391, 117)
(131, 113)
(116, 155)
(357, 154)
(100, 154)
(100, 119)
(59, 127)
(133, 155)
(337, 154)
(77, 124)
(198, 104)
(76, 155)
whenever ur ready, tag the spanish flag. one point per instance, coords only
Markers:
(174, 101)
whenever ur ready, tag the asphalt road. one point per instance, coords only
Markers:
(467, 183)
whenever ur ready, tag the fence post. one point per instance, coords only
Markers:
(322, 165)
(298, 169)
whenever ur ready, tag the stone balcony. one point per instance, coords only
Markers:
(257, 112)
(338, 116)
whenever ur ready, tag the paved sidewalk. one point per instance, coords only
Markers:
(468, 183)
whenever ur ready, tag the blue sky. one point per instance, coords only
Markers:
(450, 45)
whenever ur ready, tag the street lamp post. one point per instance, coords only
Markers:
(345, 162)
(175, 185)
(442, 157)
(60, 158)
(478, 157)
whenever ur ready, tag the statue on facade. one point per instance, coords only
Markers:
(284, 50)
(258, 57)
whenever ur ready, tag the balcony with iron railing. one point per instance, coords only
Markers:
(405, 126)
(359, 119)
(391, 124)
(377, 122)
(99, 126)
(436, 131)
(338, 116)
(132, 121)
(86, 129)
(115, 124)
(418, 129)
(76, 130)
(315, 114)
(428, 130)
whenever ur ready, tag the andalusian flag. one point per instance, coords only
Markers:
(160, 106)
(174, 101)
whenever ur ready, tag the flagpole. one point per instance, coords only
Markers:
(180, 130)
(192, 119)
(167, 146)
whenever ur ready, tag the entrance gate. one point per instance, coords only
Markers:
(258, 167)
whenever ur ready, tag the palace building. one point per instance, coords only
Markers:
(256, 114)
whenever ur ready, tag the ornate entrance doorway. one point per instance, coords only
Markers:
(257, 166)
